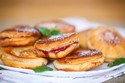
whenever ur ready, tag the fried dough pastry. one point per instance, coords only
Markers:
(80, 60)
(59, 24)
(22, 57)
(57, 46)
(109, 41)
(1, 51)
(20, 35)
(22, 52)
(83, 38)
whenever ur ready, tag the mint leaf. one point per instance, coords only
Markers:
(45, 31)
(49, 32)
(1, 68)
(117, 62)
(54, 32)
(42, 69)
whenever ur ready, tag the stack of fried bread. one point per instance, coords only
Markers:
(17, 43)
(23, 46)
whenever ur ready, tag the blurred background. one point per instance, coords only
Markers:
(29, 11)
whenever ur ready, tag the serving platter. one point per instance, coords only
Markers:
(80, 25)
(99, 70)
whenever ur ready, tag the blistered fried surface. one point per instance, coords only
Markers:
(80, 60)
(22, 57)
(20, 35)
(57, 46)
(107, 40)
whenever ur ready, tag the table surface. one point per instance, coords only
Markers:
(120, 79)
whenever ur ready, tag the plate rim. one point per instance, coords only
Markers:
(62, 73)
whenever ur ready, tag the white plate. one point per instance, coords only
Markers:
(99, 70)
(81, 25)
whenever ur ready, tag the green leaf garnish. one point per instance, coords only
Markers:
(49, 32)
(44, 31)
(42, 69)
(54, 32)
(1, 68)
(117, 62)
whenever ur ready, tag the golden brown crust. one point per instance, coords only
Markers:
(109, 41)
(22, 57)
(81, 56)
(78, 67)
(17, 41)
(19, 31)
(17, 62)
(57, 53)
(24, 52)
(83, 38)
(57, 46)
(56, 41)
(20, 35)
(80, 60)
(1, 51)
(59, 24)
